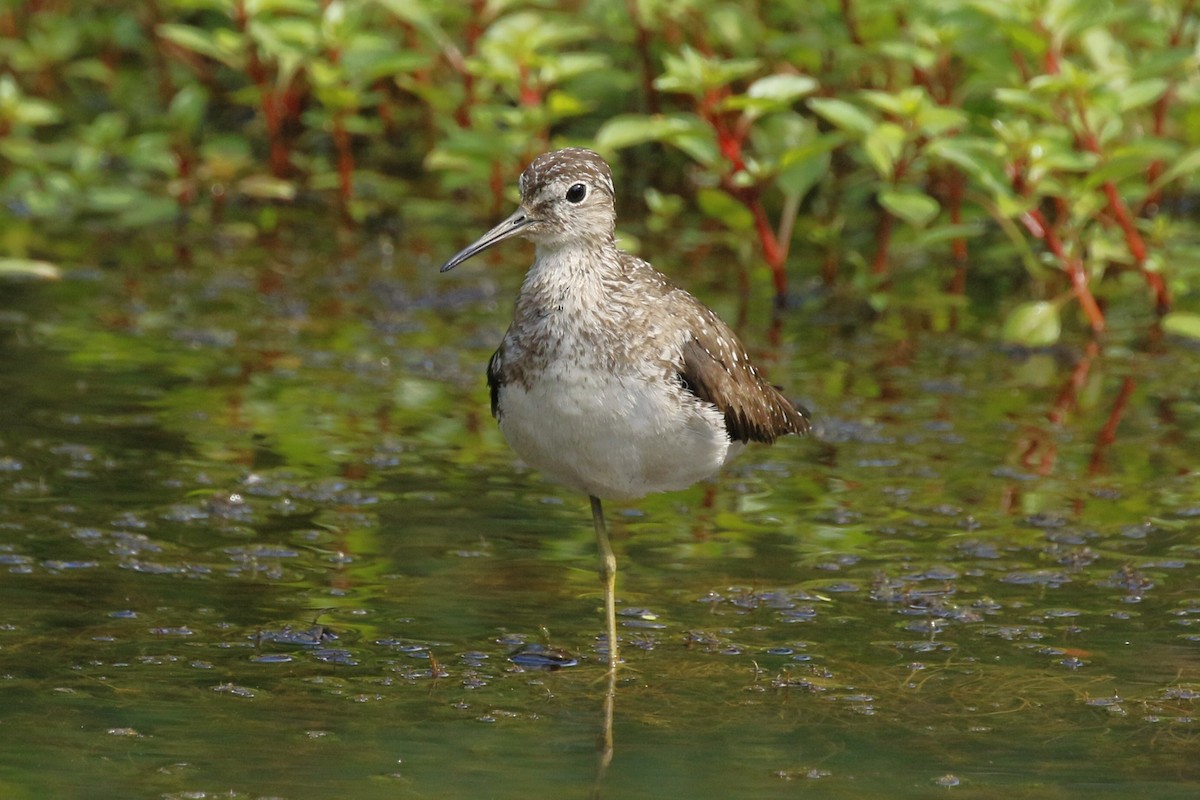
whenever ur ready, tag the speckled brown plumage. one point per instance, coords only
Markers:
(610, 379)
(710, 362)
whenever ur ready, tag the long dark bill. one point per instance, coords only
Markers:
(507, 229)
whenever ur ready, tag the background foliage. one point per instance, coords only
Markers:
(944, 157)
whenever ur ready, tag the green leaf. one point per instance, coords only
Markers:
(693, 73)
(976, 157)
(1034, 324)
(888, 103)
(628, 130)
(106, 199)
(17, 108)
(267, 187)
(934, 120)
(684, 131)
(667, 205)
(213, 45)
(1141, 93)
(29, 268)
(187, 107)
(939, 234)
(1182, 323)
(770, 94)
(720, 206)
(565, 66)
(801, 168)
(414, 12)
(842, 115)
(90, 69)
(561, 105)
(883, 146)
(700, 144)
(368, 58)
(25, 152)
(1024, 100)
(1188, 165)
(32, 111)
(909, 204)
(1055, 157)
(1132, 160)
(782, 88)
(966, 154)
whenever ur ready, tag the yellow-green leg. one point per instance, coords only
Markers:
(608, 574)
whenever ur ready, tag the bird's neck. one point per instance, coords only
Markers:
(573, 275)
(566, 298)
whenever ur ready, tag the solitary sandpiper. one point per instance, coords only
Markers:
(610, 379)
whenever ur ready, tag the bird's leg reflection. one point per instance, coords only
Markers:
(604, 743)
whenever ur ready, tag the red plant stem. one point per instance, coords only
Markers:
(883, 242)
(1108, 434)
(385, 109)
(829, 268)
(1163, 104)
(184, 163)
(1022, 66)
(341, 145)
(1038, 451)
(1157, 167)
(956, 185)
(887, 224)
(345, 157)
(772, 249)
(772, 252)
(497, 184)
(642, 45)
(951, 180)
(851, 22)
(1050, 63)
(1069, 395)
(1035, 222)
(1120, 212)
(462, 114)
(166, 89)
(218, 202)
(474, 29)
(730, 140)
(271, 104)
(528, 93)
(1133, 239)
(1039, 227)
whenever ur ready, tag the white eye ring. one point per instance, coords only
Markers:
(576, 193)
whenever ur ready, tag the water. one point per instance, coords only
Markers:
(260, 538)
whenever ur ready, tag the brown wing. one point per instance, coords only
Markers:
(717, 369)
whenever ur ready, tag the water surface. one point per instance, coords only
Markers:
(259, 537)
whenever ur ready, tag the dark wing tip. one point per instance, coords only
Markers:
(754, 410)
(777, 416)
(495, 377)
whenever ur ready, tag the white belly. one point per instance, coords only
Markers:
(613, 437)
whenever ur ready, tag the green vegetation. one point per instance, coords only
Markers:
(942, 157)
(252, 499)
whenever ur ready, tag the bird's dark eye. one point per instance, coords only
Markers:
(576, 193)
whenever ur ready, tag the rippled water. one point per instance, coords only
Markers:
(260, 538)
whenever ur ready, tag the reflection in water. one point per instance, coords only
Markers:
(604, 749)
